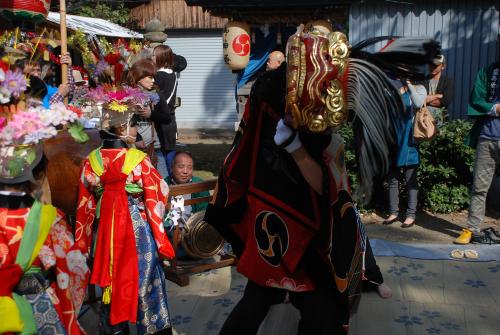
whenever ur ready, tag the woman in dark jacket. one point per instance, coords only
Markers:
(167, 76)
(150, 118)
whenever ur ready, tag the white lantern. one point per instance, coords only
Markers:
(236, 45)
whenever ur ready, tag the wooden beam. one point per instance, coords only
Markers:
(180, 189)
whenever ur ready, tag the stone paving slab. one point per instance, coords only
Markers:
(429, 297)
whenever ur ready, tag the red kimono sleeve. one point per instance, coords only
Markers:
(155, 199)
(85, 212)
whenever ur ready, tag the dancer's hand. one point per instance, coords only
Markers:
(286, 137)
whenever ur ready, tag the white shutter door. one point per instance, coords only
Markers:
(206, 86)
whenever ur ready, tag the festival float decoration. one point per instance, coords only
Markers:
(25, 123)
(32, 10)
(236, 45)
(113, 101)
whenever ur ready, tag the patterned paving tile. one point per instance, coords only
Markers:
(429, 297)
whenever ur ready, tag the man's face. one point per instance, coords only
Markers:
(272, 63)
(182, 169)
(435, 69)
(34, 70)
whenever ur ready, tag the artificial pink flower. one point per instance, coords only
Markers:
(118, 95)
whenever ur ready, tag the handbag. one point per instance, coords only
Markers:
(424, 126)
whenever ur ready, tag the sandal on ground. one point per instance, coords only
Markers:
(472, 254)
(457, 254)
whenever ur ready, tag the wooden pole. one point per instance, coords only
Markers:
(64, 43)
(64, 39)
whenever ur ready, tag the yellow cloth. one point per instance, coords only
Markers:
(95, 161)
(47, 218)
(132, 159)
(10, 320)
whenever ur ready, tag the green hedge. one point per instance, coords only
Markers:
(445, 171)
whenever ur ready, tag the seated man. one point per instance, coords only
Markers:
(182, 173)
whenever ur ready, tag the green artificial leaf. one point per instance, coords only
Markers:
(15, 167)
(78, 133)
(30, 158)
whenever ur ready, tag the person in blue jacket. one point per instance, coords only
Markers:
(407, 156)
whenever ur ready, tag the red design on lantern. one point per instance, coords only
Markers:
(241, 44)
(25, 9)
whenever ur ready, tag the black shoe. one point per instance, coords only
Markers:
(484, 238)
(408, 225)
(492, 234)
(491, 231)
(387, 222)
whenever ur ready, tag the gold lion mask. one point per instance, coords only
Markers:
(316, 77)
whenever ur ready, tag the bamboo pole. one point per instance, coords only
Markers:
(64, 39)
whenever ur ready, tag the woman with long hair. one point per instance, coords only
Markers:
(152, 117)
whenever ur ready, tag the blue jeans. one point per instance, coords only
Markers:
(410, 173)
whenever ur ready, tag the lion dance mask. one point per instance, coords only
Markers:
(316, 77)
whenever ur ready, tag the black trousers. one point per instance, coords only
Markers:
(318, 310)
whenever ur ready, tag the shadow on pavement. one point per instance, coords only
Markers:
(437, 224)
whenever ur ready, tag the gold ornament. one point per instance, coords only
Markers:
(316, 124)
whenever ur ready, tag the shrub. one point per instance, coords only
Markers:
(445, 171)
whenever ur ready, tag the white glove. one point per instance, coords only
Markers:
(284, 134)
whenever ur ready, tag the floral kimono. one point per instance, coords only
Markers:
(40, 235)
(126, 196)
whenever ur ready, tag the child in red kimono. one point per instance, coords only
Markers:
(124, 194)
(38, 268)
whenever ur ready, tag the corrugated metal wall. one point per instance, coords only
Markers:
(206, 87)
(468, 31)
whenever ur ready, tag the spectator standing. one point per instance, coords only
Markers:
(151, 116)
(407, 155)
(484, 107)
(168, 67)
(274, 60)
(440, 91)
